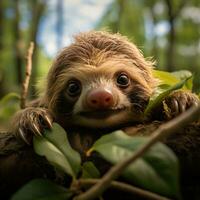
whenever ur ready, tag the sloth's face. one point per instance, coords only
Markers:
(104, 96)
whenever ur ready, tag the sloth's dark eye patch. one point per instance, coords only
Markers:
(123, 80)
(73, 88)
(138, 98)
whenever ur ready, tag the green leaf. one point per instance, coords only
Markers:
(166, 78)
(116, 137)
(40, 189)
(157, 170)
(161, 94)
(55, 146)
(9, 97)
(9, 104)
(182, 74)
(172, 78)
(89, 170)
(189, 84)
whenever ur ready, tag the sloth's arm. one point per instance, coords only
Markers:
(31, 120)
(176, 103)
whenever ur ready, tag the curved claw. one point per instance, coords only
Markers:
(22, 135)
(179, 101)
(48, 121)
(182, 108)
(176, 107)
(195, 104)
(37, 131)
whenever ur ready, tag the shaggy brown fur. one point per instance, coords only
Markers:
(95, 60)
(93, 49)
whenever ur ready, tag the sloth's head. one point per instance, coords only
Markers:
(101, 80)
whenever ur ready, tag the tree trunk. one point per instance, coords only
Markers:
(120, 14)
(172, 16)
(2, 92)
(117, 23)
(38, 8)
(1, 25)
(171, 37)
(171, 47)
(154, 48)
(17, 43)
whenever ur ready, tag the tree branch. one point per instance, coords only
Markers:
(163, 131)
(171, 12)
(25, 84)
(181, 5)
(124, 187)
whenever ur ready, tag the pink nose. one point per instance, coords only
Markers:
(100, 99)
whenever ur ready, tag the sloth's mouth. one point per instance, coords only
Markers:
(100, 114)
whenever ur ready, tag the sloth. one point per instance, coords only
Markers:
(101, 81)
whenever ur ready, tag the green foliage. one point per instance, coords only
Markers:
(165, 78)
(119, 18)
(9, 104)
(182, 74)
(169, 83)
(89, 170)
(40, 189)
(55, 146)
(156, 171)
(172, 78)
(185, 74)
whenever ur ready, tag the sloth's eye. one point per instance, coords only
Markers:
(73, 88)
(123, 80)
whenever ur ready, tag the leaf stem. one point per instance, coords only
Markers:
(126, 188)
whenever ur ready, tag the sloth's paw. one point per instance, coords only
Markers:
(32, 121)
(178, 102)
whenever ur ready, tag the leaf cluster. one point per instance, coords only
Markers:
(156, 171)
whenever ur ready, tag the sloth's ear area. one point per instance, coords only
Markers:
(148, 73)
(146, 65)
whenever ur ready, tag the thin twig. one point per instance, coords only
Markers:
(25, 84)
(163, 131)
(126, 188)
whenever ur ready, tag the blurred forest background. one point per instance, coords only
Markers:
(167, 30)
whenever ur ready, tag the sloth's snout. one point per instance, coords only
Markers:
(100, 99)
